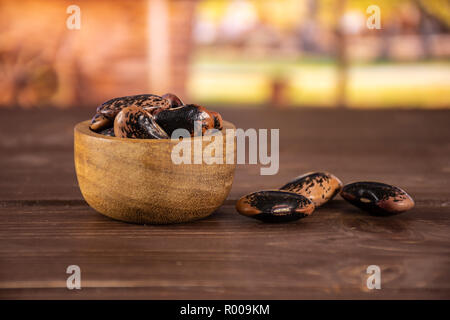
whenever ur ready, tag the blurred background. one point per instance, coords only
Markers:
(236, 53)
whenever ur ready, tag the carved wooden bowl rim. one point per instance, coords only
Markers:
(83, 128)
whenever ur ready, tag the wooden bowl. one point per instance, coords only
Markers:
(135, 180)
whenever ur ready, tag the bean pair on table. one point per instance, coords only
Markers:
(300, 197)
(149, 116)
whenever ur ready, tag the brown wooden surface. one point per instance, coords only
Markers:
(45, 225)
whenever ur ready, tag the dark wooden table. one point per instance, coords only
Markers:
(45, 225)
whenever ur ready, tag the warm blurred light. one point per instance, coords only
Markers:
(237, 52)
(158, 46)
(239, 18)
(353, 22)
(297, 41)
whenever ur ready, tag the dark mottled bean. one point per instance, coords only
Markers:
(275, 206)
(218, 122)
(100, 122)
(134, 122)
(183, 118)
(109, 109)
(377, 198)
(108, 132)
(319, 187)
(174, 101)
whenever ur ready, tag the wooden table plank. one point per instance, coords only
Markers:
(46, 226)
(225, 255)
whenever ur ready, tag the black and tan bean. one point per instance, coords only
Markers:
(218, 122)
(107, 111)
(149, 116)
(135, 122)
(99, 123)
(108, 132)
(184, 117)
(317, 188)
(174, 101)
(275, 206)
(377, 198)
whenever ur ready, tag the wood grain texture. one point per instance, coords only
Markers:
(136, 180)
(45, 225)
